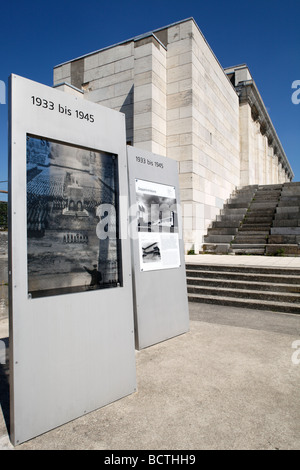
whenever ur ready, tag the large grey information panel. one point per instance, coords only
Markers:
(71, 323)
(160, 292)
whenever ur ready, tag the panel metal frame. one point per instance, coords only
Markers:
(69, 354)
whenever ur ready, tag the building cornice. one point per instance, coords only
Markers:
(248, 92)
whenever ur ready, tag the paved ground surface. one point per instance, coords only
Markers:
(246, 260)
(231, 382)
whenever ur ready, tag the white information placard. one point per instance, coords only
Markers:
(157, 226)
(71, 322)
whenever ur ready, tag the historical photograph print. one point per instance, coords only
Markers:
(151, 252)
(66, 188)
(157, 210)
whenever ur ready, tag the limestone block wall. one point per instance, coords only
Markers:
(150, 95)
(202, 129)
(107, 78)
(179, 103)
(259, 163)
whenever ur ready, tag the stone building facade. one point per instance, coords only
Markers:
(180, 103)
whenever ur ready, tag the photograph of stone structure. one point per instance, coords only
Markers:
(180, 103)
(65, 186)
(156, 207)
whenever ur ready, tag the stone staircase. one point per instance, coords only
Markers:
(284, 236)
(224, 229)
(253, 234)
(262, 288)
(258, 220)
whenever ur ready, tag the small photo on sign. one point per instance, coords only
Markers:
(152, 252)
(156, 206)
(67, 187)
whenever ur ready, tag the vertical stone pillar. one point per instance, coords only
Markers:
(246, 147)
(270, 164)
(280, 172)
(257, 155)
(180, 126)
(275, 168)
(266, 160)
(150, 95)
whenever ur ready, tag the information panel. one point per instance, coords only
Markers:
(71, 322)
(160, 292)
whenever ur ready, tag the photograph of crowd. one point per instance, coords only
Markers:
(65, 187)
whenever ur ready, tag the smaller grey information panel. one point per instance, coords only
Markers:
(71, 309)
(160, 292)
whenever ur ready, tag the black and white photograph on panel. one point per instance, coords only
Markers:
(157, 209)
(157, 225)
(72, 218)
(151, 253)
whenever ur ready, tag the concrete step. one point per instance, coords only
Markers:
(267, 187)
(238, 212)
(284, 239)
(252, 220)
(240, 239)
(268, 190)
(247, 303)
(285, 297)
(216, 248)
(230, 206)
(286, 223)
(266, 198)
(283, 276)
(218, 238)
(244, 269)
(261, 209)
(285, 230)
(246, 284)
(253, 233)
(292, 193)
(230, 218)
(249, 250)
(232, 223)
(260, 215)
(222, 231)
(289, 201)
(245, 196)
(290, 210)
(287, 216)
(283, 250)
(290, 197)
(254, 228)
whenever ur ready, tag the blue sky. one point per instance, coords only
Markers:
(264, 34)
